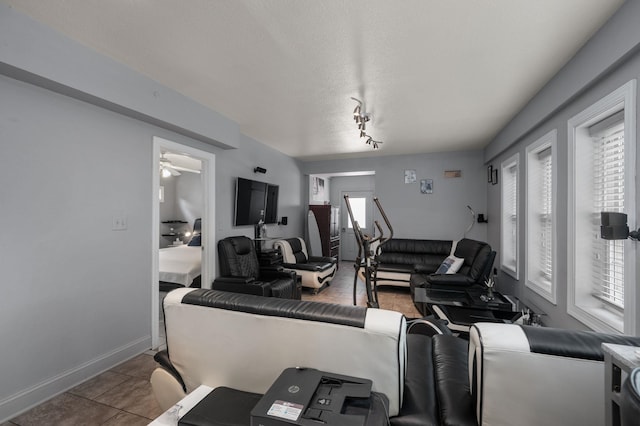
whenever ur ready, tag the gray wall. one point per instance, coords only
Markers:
(441, 215)
(189, 200)
(168, 208)
(340, 184)
(79, 293)
(78, 297)
(281, 170)
(607, 62)
(182, 201)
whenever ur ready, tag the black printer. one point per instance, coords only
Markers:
(306, 396)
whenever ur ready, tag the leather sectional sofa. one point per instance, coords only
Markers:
(413, 263)
(504, 375)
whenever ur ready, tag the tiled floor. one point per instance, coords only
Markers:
(123, 396)
(120, 396)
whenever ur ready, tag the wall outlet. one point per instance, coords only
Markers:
(119, 222)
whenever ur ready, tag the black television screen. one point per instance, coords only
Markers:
(253, 200)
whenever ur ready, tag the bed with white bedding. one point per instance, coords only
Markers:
(180, 265)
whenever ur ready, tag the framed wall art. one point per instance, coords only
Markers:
(426, 186)
(410, 176)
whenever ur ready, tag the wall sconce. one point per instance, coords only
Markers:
(259, 170)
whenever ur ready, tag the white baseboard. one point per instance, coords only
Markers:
(26, 399)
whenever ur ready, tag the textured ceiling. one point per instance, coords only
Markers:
(434, 75)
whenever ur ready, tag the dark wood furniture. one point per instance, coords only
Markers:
(328, 218)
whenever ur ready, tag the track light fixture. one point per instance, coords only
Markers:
(361, 118)
(375, 144)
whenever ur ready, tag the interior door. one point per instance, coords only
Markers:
(362, 207)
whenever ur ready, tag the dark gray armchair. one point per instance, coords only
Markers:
(240, 272)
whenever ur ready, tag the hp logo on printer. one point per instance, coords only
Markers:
(293, 389)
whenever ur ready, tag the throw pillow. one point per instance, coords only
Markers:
(450, 265)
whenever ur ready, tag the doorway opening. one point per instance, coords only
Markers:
(329, 189)
(362, 207)
(171, 159)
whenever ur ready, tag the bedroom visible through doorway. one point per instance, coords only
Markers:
(183, 217)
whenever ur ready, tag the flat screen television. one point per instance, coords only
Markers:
(254, 199)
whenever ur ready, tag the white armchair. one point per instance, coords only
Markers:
(315, 271)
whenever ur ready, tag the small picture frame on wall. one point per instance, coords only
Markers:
(494, 177)
(410, 176)
(426, 186)
(490, 174)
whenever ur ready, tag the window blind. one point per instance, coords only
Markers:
(510, 215)
(546, 214)
(609, 196)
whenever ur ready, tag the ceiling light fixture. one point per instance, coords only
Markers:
(361, 118)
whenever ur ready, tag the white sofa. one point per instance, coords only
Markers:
(505, 374)
(244, 342)
(538, 376)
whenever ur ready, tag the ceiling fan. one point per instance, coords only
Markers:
(169, 169)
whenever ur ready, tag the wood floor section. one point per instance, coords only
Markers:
(123, 396)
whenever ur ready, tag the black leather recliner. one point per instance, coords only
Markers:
(241, 273)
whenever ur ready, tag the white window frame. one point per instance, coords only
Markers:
(580, 303)
(546, 288)
(506, 223)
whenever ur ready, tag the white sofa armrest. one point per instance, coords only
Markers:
(514, 385)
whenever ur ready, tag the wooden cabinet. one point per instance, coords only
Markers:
(328, 219)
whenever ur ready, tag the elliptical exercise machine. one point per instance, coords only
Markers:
(367, 257)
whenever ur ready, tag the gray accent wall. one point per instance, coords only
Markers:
(441, 215)
(78, 294)
(609, 60)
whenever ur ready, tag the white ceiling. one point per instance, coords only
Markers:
(435, 75)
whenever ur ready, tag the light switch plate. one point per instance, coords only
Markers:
(119, 222)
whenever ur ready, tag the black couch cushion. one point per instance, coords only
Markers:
(450, 361)
(412, 252)
(353, 316)
(419, 406)
(296, 247)
(238, 257)
(572, 343)
(475, 255)
(395, 267)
